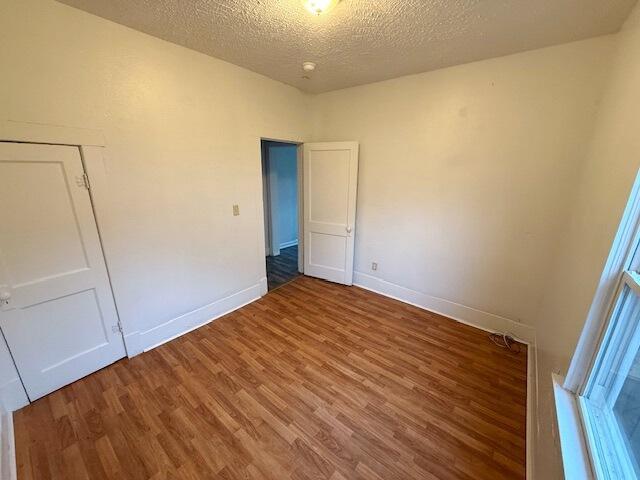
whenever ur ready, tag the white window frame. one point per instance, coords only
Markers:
(592, 361)
(606, 441)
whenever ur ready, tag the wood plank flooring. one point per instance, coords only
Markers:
(313, 381)
(282, 268)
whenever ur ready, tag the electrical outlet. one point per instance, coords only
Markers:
(374, 265)
(236, 210)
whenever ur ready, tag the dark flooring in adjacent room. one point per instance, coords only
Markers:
(283, 268)
(313, 381)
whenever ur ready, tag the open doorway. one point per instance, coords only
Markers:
(281, 190)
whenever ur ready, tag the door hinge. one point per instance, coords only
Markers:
(83, 181)
(117, 328)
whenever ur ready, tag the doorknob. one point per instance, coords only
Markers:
(349, 229)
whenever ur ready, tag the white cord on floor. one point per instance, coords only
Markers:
(505, 340)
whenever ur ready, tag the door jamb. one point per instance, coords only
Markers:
(271, 187)
(299, 171)
(264, 163)
(268, 228)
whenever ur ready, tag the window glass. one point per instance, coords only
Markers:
(627, 410)
(611, 403)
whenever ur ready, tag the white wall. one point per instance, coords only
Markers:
(182, 137)
(604, 181)
(284, 162)
(466, 173)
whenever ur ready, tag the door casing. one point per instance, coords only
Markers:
(90, 220)
(267, 203)
(267, 244)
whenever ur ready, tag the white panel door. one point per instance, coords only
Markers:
(58, 315)
(330, 187)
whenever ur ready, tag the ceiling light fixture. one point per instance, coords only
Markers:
(308, 66)
(318, 7)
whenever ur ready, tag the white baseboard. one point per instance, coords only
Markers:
(289, 244)
(264, 286)
(178, 326)
(13, 396)
(132, 344)
(470, 316)
(7, 446)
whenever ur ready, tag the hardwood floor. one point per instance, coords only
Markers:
(282, 268)
(313, 381)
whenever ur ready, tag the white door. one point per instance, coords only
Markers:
(330, 187)
(58, 315)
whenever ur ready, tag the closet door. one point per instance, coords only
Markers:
(57, 311)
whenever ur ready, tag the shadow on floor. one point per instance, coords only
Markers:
(283, 268)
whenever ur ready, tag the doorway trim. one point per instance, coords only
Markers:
(91, 145)
(30, 132)
(266, 244)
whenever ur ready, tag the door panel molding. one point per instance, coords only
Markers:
(330, 185)
(56, 332)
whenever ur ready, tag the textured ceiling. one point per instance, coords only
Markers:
(361, 41)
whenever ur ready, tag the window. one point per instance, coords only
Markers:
(609, 400)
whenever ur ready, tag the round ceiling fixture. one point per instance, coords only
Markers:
(318, 7)
(308, 66)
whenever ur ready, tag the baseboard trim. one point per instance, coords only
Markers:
(288, 244)
(7, 446)
(13, 396)
(132, 343)
(182, 324)
(470, 316)
(264, 286)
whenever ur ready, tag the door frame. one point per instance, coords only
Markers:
(267, 182)
(270, 197)
(354, 148)
(91, 145)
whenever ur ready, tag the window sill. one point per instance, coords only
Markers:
(575, 456)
